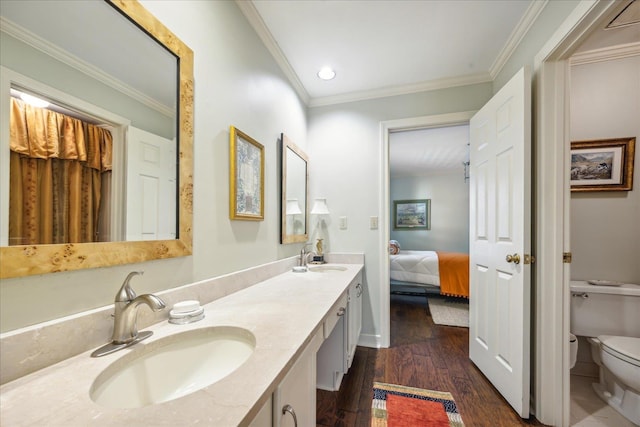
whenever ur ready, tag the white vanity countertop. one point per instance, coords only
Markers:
(282, 312)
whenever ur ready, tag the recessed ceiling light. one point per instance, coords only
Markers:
(326, 73)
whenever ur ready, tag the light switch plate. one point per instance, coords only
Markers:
(373, 223)
(343, 223)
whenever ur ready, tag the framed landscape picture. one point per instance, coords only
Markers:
(412, 214)
(246, 177)
(602, 165)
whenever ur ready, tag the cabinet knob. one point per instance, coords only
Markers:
(289, 409)
(341, 311)
(359, 288)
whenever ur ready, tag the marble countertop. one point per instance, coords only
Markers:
(282, 312)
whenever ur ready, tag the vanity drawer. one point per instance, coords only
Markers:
(338, 310)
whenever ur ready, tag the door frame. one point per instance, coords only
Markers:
(551, 203)
(387, 127)
(552, 208)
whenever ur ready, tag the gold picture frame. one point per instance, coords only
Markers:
(246, 177)
(602, 165)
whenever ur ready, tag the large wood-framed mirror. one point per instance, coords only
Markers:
(169, 114)
(294, 193)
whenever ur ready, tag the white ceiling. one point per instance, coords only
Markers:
(431, 151)
(386, 47)
(389, 47)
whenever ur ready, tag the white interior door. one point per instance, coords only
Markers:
(500, 221)
(151, 186)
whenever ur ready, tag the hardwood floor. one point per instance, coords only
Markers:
(422, 355)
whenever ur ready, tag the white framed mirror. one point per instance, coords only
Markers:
(294, 194)
(149, 95)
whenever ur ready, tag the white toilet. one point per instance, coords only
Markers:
(610, 317)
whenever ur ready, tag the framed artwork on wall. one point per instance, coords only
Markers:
(412, 214)
(246, 177)
(602, 165)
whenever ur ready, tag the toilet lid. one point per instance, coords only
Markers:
(625, 348)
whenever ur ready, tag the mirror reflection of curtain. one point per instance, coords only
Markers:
(58, 164)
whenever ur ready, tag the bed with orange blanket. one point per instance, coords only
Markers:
(446, 273)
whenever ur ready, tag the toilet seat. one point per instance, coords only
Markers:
(623, 348)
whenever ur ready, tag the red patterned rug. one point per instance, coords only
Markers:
(400, 406)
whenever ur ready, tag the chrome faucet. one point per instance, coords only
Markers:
(302, 262)
(125, 329)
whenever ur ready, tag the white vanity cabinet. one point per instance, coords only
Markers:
(354, 317)
(294, 401)
(265, 416)
(342, 330)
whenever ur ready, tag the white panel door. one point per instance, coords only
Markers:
(500, 221)
(151, 186)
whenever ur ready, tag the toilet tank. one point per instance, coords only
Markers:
(605, 310)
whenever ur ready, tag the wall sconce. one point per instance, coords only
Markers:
(319, 208)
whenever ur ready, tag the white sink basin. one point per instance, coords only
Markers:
(323, 268)
(172, 367)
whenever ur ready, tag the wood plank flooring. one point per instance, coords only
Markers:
(422, 355)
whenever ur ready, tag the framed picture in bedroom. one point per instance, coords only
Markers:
(602, 165)
(246, 177)
(412, 214)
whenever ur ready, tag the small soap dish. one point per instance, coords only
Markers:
(186, 312)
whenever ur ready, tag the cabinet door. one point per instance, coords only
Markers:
(354, 317)
(264, 418)
(294, 401)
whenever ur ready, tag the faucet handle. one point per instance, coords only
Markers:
(126, 293)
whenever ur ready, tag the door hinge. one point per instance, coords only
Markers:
(529, 259)
(566, 257)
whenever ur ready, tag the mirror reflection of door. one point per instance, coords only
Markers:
(151, 183)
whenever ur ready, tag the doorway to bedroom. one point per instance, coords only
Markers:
(429, 222)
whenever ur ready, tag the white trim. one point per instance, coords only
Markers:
(387, 127)
(521, 29)
(606, 54)
(445, 83)
(255, 20)
(371, 341)
(552, 210)
(73, 61)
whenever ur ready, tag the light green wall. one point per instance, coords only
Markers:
(238, 83)
(449, 195)
(549, 20)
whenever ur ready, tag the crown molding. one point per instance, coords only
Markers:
(445, 83)
(606, 54)
(255, 20)
(518, 33)
(73, 61)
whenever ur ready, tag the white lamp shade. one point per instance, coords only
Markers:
(293, 208)
(320, 207)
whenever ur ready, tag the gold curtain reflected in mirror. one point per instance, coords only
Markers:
(58, 164)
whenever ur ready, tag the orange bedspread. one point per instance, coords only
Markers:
(454, 274)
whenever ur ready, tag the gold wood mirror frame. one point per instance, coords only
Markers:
(294, 196)
(19, 261)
